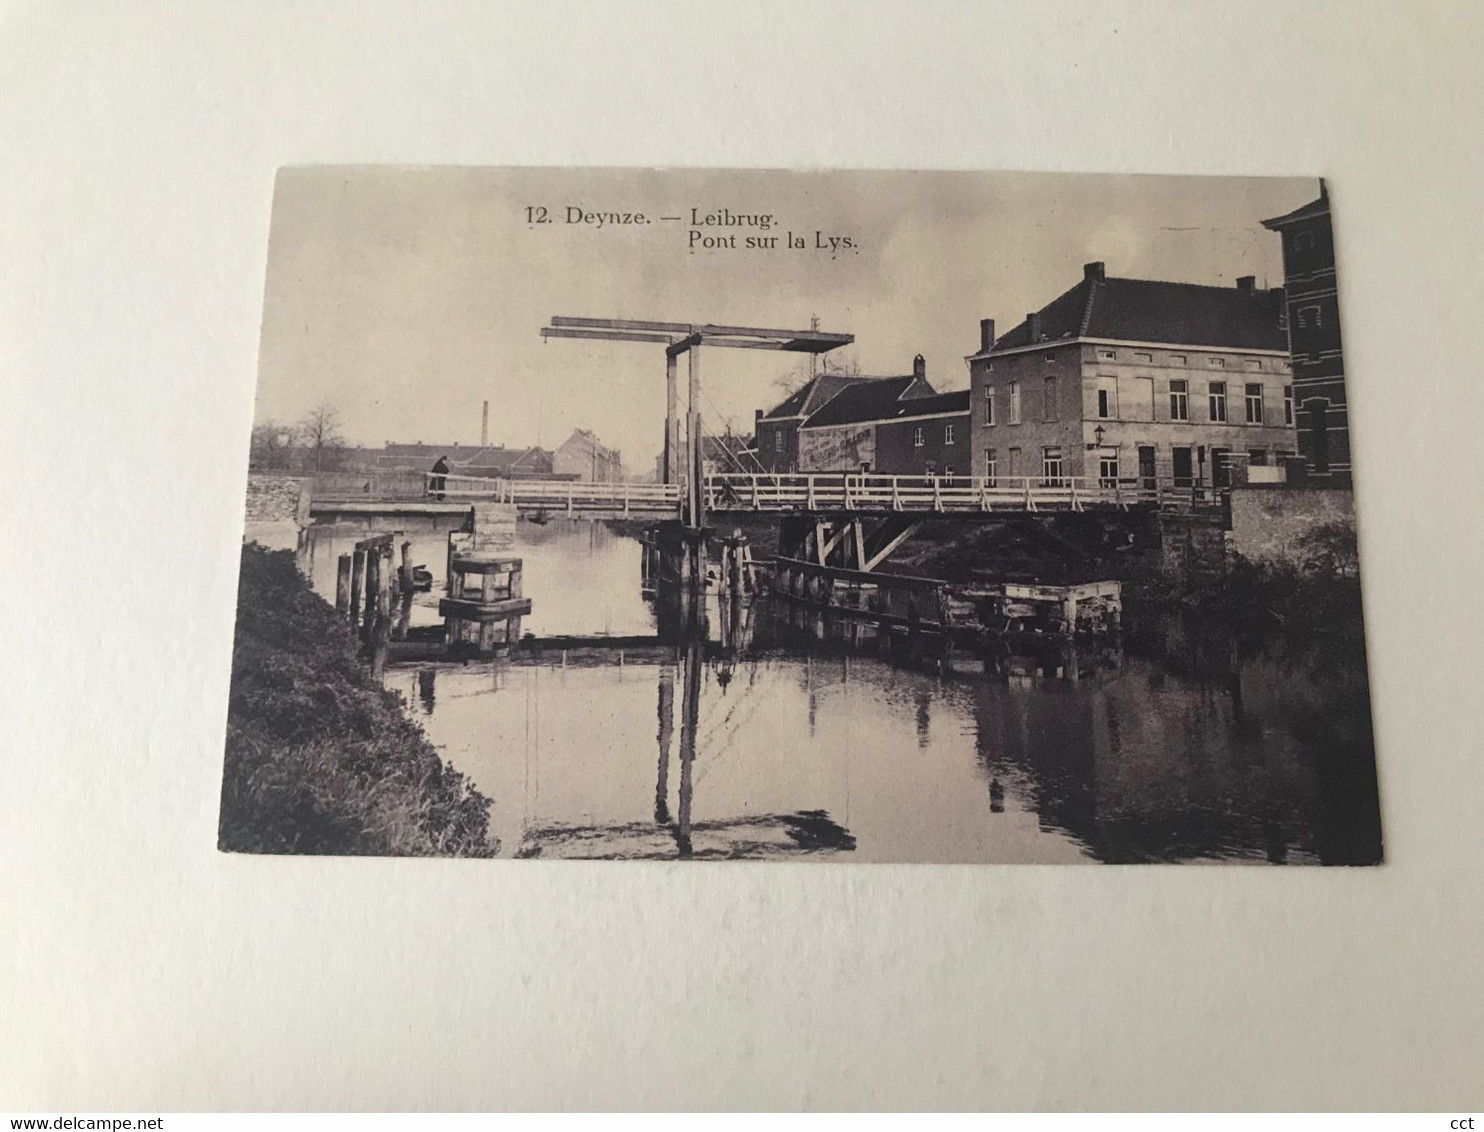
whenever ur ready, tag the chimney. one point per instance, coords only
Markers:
(1033, 324)
(986, 335)
(484, 427)
(1246, 284)
(757, 424)
(919, 366)
(1094, 271)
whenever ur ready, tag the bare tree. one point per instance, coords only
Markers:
(321, 435)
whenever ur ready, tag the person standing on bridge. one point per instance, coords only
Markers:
(440, 478)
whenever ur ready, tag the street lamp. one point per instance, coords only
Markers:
(1098, 435)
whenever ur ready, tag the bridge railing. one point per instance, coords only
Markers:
(835, 491)
(873, 492)
(572, 496)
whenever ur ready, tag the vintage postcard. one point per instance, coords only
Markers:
(810, 516)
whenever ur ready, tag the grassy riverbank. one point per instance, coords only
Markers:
(320, 757)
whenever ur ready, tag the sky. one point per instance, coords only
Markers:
(405, 297)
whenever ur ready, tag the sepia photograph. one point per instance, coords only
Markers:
(851, 516)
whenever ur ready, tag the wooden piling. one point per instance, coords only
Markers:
(373, 587)
(384, 585)
(357, 582)
(405, 576)
(342, 585)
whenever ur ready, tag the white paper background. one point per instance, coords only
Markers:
(142, 970)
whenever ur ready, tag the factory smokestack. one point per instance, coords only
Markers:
(484, 427)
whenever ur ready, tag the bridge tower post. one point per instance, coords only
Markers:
(672, 424)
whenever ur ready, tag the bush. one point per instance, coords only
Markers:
(320, 758)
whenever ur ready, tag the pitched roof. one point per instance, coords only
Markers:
(1318, 207)
(934, 406)
(873, 399)
(811, 396)
(587, 440)
(1150, 310)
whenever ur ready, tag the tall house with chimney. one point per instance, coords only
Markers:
(1139, 381)
(1314, 338)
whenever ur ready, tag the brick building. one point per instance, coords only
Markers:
(865, 427)
(583, 456)
(1314, 339)
(777, 430)
(1136, 380)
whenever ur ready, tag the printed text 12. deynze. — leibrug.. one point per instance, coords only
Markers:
(718, 229)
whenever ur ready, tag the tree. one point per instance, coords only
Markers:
(321, 435)
(271, 447)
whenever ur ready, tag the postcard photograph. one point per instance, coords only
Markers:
(826, 516)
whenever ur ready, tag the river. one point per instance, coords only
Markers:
(774, 739)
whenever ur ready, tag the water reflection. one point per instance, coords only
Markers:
(753, 731)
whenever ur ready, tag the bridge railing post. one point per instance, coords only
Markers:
(810, 494)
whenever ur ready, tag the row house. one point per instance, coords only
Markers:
(483, 460)
(1314, 339)
(1137, 379)
(582, 456)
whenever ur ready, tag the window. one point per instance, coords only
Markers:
(1177, 359)
(1107, 398)
(1254, 404)
(1050, 358)
(1181, 467)
(991, 468)
(1254, 364)
(1048, 400)
(1179, 399)
(1216, 363)
(1221, 467)
(1015, 465)
(1143, 357)
(1108, 469)
(1308, 316)
(1107, 355)
(1257, 457)
(989, 404)
(948, 469)
(1015, 402)
(947, 434)
(1051, 466)
(778, 442)
(1288, 404)
(917, 437)
(1216, 395)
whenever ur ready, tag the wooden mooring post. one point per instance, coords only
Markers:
(342, 585)
(357, 582)
(482, 620)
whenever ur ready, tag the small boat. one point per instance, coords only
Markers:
(422, 579)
